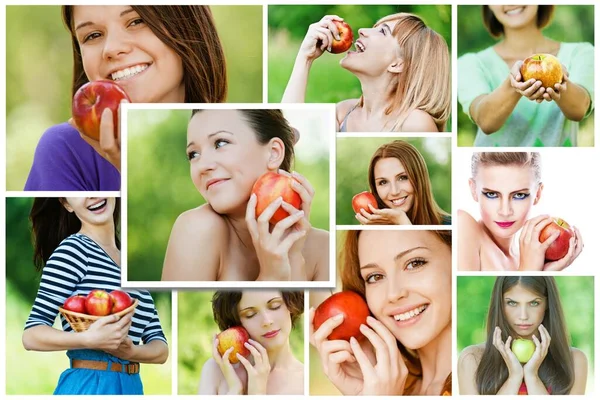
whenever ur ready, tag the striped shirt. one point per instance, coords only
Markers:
(76, 267)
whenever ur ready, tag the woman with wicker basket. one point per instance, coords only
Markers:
(77, 249)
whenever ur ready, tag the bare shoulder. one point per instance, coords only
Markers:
(210, 378)
(469, 225)
(471, 353)
(198, 234)
(343, 108)
(419, 121)
(316, 254)
(579, 358)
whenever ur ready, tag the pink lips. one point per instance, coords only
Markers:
(504, 224)
(213, 182)
(271, 334)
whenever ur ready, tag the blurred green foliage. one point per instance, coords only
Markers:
(197, 327)
(159, 170)
(22, 283)
(570, 23)
(329, 83)
(39, 73)
(353, 157)
(473, 296)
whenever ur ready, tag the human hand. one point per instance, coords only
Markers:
(109, 146)
(319, 37)
(515, 369)
(541, 350)
(384, 216)
(107, 333)
(125, 351)
(531, 89)
(554, 94)
(337, 359)
(575, 249)
(233, 381)
(258, 374)
(273, 247)
(388, 375)
(532, 252)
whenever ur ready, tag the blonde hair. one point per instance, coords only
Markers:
(508, 158)
(424, 83)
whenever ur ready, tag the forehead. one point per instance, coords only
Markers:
(391, 23)
(505, 178)
(209, 121)
(382, 246)
(93, 13)
(387, 165)
(252, 298)
(521, 292)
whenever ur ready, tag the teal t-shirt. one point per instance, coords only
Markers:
(531, 123)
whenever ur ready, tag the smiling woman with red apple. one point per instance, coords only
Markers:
(527, 349)
(255, 327)
(513, 104)
(156, 54)
(76, 247)
(249, 229)
(403, 67)
(405, 347)
(506, 185)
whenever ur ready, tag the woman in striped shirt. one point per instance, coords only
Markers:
(77, 249)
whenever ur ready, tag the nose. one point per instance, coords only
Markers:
(523, 315)
(363, 32)
(267, 320)
(117, 43)
(396, 288)
(206, 163)
(395, 188)
(505, 209)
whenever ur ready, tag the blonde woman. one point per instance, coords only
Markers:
(404, 71)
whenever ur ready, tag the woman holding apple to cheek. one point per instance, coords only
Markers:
(506, 185)
(157, 54)
(399, 180)
(527, 349)
(406, 279)
(403, 67)
(226, 239)
(510, 110)
(270, 366)
(76, 247)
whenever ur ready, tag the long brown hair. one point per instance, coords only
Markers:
(496, 29)
(425, 210)
(352, 280)
(51, 223)
(557, 371)
(424, 83)
(190, 31)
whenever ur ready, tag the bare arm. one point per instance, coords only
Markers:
(193, 252)
(574, 100)
(321, 248)
(47, 338)
(467, 366)
(295, 91)
(469, 243)
(154, 352)
(210, 378)
(490, 111)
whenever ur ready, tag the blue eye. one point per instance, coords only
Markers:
(490, 195)
(521, 196)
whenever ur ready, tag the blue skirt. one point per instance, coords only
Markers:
(91, 381)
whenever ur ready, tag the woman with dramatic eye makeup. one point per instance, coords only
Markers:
(403, 67)
(524, 307)
(157, 54)
(511, 111)
(405, 278)
(506, 185)
(269, 317)
(399, 180)
(224, 240)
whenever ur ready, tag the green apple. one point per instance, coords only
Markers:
(523, 349)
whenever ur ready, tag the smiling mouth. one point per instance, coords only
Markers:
(505, 225)
(515, 11)
(399, 202)
(98, 206)
(411, 314)
(213, 183)
(129, 72)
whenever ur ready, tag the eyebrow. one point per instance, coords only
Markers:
(268, 302)
(87, 23)
(386, 26)
(398, 256)
(515, 191)
(537, 298)
(209, 136)
(399, 174)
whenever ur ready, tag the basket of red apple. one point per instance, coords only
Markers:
(82, 311)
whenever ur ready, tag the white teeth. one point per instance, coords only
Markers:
(410, 314)
(97, 206)
(398, 201)
(515, 11)
(128, 72)
(359, 46)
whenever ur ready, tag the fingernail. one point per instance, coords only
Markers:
(329, 49)
(337, 37)
(353, 340)
(362, 327)
(299, 213)
(338, 317)
(370, 319)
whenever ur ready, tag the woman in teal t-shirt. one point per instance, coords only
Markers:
(510, 112)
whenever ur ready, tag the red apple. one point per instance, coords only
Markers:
(355, 311)
(233, 337)
(560, 247)
(90, 101)
(542, 67)
(362, 200)
(268, 188)
(75, 304)
(98, 303)
(121, 301)
(346, 38)
(523, 349)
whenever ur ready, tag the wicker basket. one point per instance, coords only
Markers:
(81, 322)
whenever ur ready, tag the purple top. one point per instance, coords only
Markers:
(63, 161)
